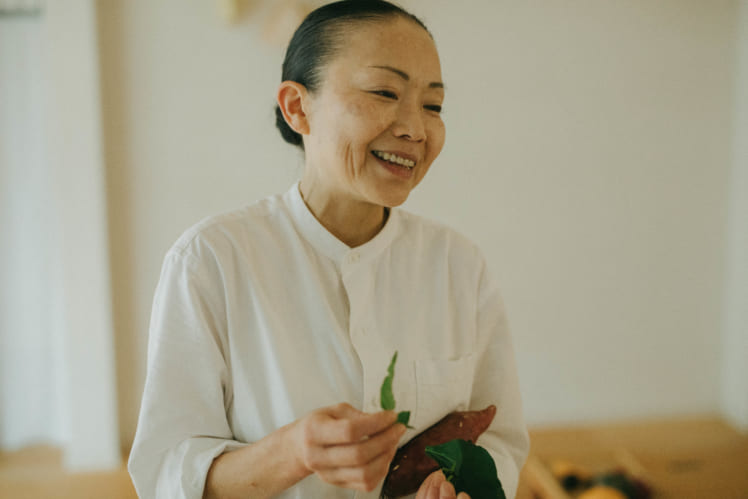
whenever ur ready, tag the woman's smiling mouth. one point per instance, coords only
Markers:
(395, 164)
(394, 158)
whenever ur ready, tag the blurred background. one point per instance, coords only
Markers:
(597, 151)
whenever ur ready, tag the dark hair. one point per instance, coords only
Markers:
(317, 39)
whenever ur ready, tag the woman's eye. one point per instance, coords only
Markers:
(385, 93)
(434, 107)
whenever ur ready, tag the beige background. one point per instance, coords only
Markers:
(589, 149)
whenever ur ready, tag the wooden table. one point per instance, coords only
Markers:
(695, 458)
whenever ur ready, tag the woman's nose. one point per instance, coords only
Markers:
(409, 123)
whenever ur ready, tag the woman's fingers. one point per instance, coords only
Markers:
(429, 489)
(362, 451)
(347, 447)
(363, 478)
(343, 424)
(436, 486)
(446, 490)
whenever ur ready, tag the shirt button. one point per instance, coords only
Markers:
(353, 257)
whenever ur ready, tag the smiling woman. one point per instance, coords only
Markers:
(271, 323)
(373, 129)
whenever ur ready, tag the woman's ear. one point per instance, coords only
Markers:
(291, 96)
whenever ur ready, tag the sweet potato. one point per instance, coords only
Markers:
(411, 465)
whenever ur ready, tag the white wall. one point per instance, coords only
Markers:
(735, 383)
(32, 401)
(588, 152)
(76, 160)
(57, 373)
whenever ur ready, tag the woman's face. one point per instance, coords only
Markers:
(374, 122)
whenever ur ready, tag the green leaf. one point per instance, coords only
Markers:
(403, 417)
(469, 467)
(387, 399)
(447, 455)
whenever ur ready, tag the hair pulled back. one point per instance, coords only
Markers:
(319, 37)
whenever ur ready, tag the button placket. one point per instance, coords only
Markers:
(352, 280)
(362, 327)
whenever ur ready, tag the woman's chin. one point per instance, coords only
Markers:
(392, 200)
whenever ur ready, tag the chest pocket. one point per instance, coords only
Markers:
(442, 386)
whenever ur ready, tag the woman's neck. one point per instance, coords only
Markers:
(353, 222)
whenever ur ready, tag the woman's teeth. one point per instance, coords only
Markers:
(394, 158)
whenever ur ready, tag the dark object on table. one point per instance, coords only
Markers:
(411, 465)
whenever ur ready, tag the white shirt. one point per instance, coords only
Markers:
(261, 316)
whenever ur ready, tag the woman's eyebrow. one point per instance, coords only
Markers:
(406, 77)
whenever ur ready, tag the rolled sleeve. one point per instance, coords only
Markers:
(182, 425)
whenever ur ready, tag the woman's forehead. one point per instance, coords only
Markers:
(394, 43)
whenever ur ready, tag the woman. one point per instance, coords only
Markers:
(273, 325)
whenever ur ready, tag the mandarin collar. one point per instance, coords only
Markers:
(329, 245)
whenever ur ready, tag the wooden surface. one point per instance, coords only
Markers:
(700, 458)
(37, 473)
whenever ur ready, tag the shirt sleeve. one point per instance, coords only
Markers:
(182, 425)
(496, 382)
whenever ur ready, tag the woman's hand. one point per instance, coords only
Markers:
(436, 486)
(346, 447)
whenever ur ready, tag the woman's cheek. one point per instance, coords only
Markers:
(441, 131)
(371, 118)
(436, 139)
